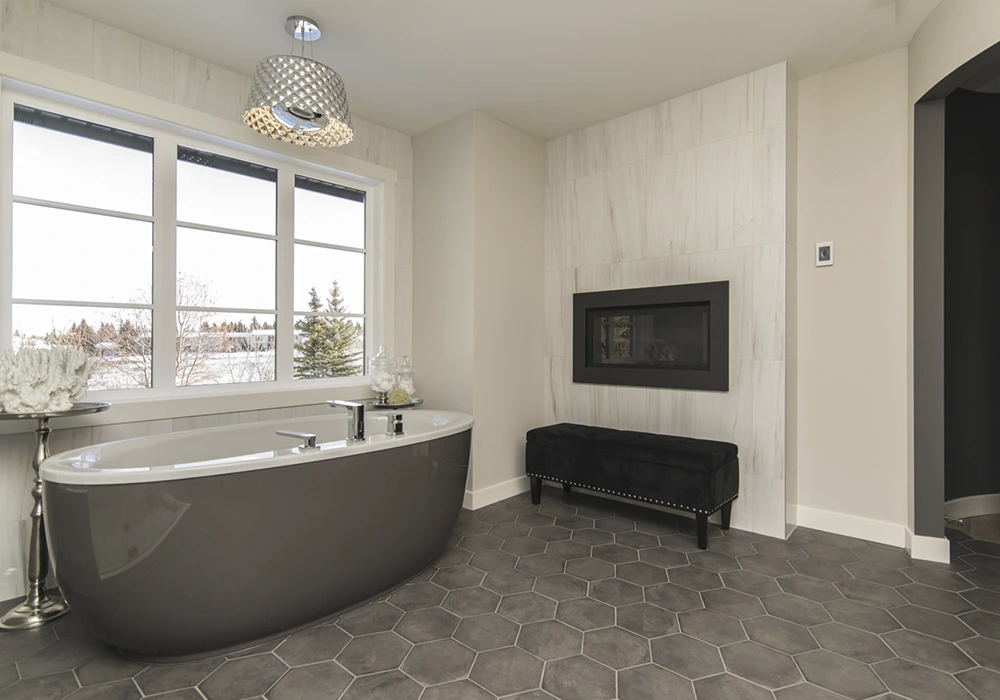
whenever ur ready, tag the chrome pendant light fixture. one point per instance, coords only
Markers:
(297, 99)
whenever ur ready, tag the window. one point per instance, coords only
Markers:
(176, 263)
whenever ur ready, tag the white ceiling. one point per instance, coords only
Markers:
(548, 67)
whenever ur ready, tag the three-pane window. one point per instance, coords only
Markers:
(85, 209)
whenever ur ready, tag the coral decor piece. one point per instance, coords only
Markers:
(38, 381)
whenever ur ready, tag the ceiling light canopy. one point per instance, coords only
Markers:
(298, 100)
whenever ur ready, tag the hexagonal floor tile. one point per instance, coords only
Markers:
(761, 564)
(798, 610)
(575, 522)
(427, 625)
(471, 601)
(712, 627)
(315, 680)
(243, 678)
(862, 616)
(415, 596)
(459, 690)
(485, 632)
(567, 550)
(480, 543)
(371, 618)
(321, 643)
(867, 571)
(615, 553)
(374, 653)
(985, 623)
(585, 614)
(685, 544)
(509, 581)
(494, 560)
(614, 591)
(615, 525)
(751, 583)
(830, 552)
(726, 686)
(456, 577)
(652, 683)
(616, 648)
(761, 665)
(733, 603)
(527, 607)
(509, 531)
(647, 620)
(579, 678)
(641, 573)
(663, 557)
(687, 656)
(839, 674)
(590, 569)
(932, 622)
(507, 671)
(695, 578)
(561, 587)
(523, 546)
(61, 655)
(453, 556)
(165, 678)
(593, 537)
(820, 568)
(391, 685)
(637, 540)
(438, 662)
(673, 598)
(713, 561)
(811, 588)
(541, 565)
(982, 683)
(986, 652)
(929, 651)
(549, 533)
(776, 549)
(871, 593)
(853, 643)
(919, 682)
(780, 634)
(550, 639)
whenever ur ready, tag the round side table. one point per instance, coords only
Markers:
(39, 607)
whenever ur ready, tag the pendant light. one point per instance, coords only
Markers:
(297, 99)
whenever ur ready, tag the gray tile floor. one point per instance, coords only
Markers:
(587, 599)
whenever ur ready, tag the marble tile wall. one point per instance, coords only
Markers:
(690, 190)
(57, 37)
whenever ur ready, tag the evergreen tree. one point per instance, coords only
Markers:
(327, 345)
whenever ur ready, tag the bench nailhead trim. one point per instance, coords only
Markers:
(636, 498)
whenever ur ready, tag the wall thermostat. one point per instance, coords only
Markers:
(824, 254)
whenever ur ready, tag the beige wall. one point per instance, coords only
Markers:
(852, 317)
(478, 314)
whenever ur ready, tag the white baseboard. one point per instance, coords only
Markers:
(474, 500)
(851, 526)
(928, 548)
(972, 506)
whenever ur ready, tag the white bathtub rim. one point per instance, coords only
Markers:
(79, 466)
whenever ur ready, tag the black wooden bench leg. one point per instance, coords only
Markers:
(702, 524)
(567, 488)
(536, 490)
(727, 511)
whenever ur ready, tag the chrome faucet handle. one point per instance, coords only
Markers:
(346, 404)
(308, 439)
(355, 419)
(393, 424)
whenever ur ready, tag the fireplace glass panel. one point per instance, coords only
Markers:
(668, 336)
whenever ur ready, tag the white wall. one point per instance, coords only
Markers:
(71, 42)
(852, 317)
(689, 190)
(478, 333)
(509, 335)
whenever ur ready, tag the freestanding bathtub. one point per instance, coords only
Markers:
(195, 543)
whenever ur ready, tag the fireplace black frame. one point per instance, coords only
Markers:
(716, 378)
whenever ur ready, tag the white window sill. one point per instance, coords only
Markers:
(151, 405)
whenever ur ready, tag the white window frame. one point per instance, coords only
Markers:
(284, 390)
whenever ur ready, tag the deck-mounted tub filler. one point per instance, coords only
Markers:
(195, 543)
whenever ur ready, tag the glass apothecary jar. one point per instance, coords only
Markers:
(382, 374)
(404, 376)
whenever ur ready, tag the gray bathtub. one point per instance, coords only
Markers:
(195, 543)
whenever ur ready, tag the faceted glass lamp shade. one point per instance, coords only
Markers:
(299, 101)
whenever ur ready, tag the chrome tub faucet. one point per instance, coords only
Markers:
(393, 424)
(308, 439)
(355, 419)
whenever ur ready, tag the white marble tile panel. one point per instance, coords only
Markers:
(556, 391)
(404, 223)
(769, 418)
(156, 70)
(767, 497)
(376, 144)
(586, 152)
(728, 415)
(792, 104)
(791, 187)
(16, 451)
(656, 272)
(627, 193)
(742, 515)
(559, 288)
(593, 218)
(13, 560)
(207, 87)
(582, 400)
(770, 86)
(769, 164)
(598, 278)
(725, 193)
(117, 57)
(791, 304)
(404, 312)
(627, 138)
(736, 266)
(768, 274)
(555, 160)
(673, 411)
(48, 34)
(671, 204)
(675, 125)
(622, 407)
(127, 431)
(726, 109)
(562, 230)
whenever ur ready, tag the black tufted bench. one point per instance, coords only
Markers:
(699, 476)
